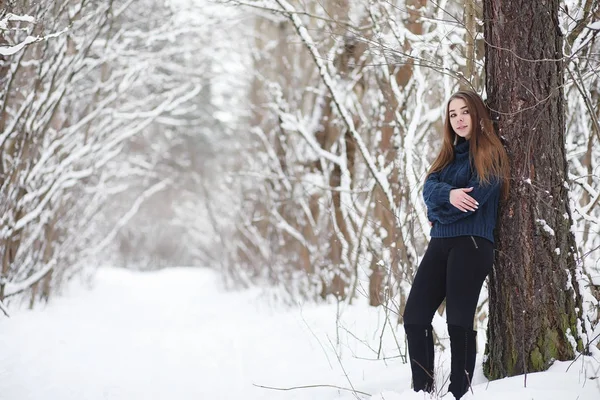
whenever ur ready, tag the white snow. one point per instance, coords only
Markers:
(545, 226)
(12, 17)
(174, 334)
(10, 50)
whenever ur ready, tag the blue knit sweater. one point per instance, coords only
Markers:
(449, 221)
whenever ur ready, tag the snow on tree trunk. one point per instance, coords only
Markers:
(534, 297)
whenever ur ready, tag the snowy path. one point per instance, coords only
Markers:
(165, 335)
(174, 335)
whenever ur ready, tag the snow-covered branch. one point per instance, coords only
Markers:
(337, 99)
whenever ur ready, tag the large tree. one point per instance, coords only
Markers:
(534, 296)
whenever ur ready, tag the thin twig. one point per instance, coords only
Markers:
(346, 374)
(590, 342)
(316, 338)
(4, 309)
(312, 387)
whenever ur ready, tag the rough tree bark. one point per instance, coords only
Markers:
(534, 297)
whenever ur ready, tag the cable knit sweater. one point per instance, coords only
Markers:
(449, 221)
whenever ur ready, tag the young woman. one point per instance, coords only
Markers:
(462, 192)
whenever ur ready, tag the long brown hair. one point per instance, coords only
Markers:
(486, 152)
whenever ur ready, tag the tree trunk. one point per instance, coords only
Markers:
(534, 297)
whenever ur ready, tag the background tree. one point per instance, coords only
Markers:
(112, 127)
(54, 138)
(186, 92)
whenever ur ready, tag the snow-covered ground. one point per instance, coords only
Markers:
(175, 335)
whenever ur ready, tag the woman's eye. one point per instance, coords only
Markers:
(452, 115)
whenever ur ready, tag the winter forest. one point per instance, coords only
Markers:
(283, 145)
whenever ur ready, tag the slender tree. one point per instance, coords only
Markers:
(535, 300)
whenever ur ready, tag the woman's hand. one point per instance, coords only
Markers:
(461, 200)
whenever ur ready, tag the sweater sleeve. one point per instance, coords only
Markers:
(435, 192)
(481, 193)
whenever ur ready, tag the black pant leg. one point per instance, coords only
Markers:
(426, 295)
(429, 287)
(469, 262)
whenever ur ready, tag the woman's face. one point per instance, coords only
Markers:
(460, 119)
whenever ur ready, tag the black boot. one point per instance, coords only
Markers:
(463, 348)
(420, 352)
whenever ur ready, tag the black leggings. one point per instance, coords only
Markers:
(453, 268)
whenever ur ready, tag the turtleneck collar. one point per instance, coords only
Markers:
(461, 149)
